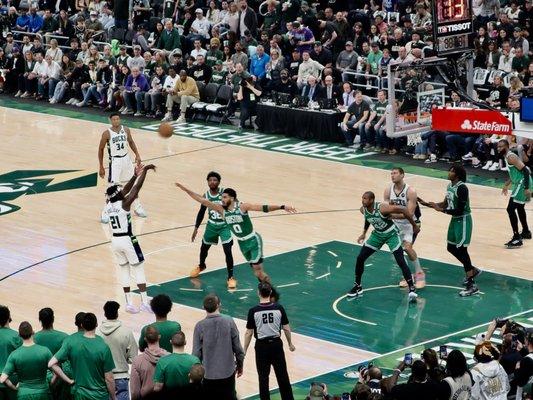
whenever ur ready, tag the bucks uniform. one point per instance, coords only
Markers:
(124, 244)
(250, 242)
(405, 227)
(518, 191)
(385, 231)
(120, 165)
(216, 226)
(460, 228)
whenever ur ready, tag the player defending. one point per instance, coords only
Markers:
(520, 178)
(401, 194)
(118, 140)
(235, 214)
(457, 204)
(125, 246)
(215, 228)
(379, 215)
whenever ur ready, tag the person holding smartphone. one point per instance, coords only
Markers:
(418, 386)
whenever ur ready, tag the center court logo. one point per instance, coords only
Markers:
(484, 126)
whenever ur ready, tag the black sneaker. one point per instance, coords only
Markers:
(525, 235)
(357, 291)
(477, 272)
(470, 290)
(514, 243)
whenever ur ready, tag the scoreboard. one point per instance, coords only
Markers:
(452, 25)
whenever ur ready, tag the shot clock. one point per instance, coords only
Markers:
(452, 25)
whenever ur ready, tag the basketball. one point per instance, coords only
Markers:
(165, 130)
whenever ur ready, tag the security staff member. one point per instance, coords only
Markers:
(265, 322)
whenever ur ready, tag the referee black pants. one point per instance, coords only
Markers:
(269, 352)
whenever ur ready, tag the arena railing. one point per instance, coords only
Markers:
(46, 36)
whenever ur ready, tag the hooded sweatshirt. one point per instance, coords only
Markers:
(490, 381)
(142, 372)
(122, 344)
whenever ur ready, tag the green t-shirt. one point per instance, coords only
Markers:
(374, 59)
(166, 329)
(9, 342)
(213, 56)
(50, 338)
(379, 109)
(219, 77)
(30, 363)
(90, 359)
(173, 370)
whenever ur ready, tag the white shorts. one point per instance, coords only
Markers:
(120, 169)
(406, 230)
(127, 250)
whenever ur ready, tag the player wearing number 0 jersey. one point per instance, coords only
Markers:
(125, 245)
(401, 194)
(236, 216)
(118, 141)
(385, 232)
(215, 228)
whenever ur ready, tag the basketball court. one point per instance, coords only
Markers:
(56, 253)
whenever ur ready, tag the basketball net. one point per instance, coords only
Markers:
(414, 139)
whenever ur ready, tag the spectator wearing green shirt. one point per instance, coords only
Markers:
(172, 371)
(219, 75)
(161, 306)
(373, 60)
(375, 126)
(169, 39)
(214, 53)
(9, 342)
(91, 361)
(30, 364)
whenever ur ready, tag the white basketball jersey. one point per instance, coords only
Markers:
(399, 199)
(119, 219)
(460, 388)
(118, 143)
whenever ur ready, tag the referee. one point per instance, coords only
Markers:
(265, 322)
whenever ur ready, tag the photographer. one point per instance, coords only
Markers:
(248, 96)
(490, 379)
(417, 387)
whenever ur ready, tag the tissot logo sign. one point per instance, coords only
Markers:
(454, 28)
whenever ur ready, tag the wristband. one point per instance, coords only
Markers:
(282, 207)
(397, 370)
(265, 208)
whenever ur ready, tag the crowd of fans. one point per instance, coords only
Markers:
(101, 361)
(146, 57)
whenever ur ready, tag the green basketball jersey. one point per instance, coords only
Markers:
(452, 199)
(214, 216)
(516, 175)
(378, 220)
(239, 222)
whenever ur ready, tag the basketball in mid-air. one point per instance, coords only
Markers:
(165, 130)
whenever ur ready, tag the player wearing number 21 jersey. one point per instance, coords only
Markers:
(235, 215)
(125, 245)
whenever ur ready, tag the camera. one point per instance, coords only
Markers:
(443, 352)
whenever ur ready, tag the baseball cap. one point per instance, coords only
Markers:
(349, 43)
(198, 11)
(517, 29)
(316, 393)
(375, 44)
(94, 12)
(219, 62)
(296, 24)
(406, 18)
(318, 43)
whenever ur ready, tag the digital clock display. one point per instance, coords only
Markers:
(452, 10)
(454, 43)
(452, 24)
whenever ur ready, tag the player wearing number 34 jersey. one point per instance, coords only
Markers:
(235, 215)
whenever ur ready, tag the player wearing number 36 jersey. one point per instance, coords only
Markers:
(236, 216)
(125, 245)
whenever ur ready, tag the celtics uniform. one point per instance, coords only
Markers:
(518, 191)
(460, 228)
(385, 231)
(216, 227)
(250, 242)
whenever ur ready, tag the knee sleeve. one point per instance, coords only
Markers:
(138, 270)
(125, 275)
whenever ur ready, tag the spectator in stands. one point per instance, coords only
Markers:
(354, 120)
(199, 28)
(198, 49)
(301, 37)
(248, 97)
(161, 306)
(169, 39)
(498, 94)
(9, 342)
(347, 97)
(153, 98)
(458, 383)
(219, 74)
(88, 88)
(14, 70)
(137, 61)
(65, 26)
(200, 71)
(322, 54)
(489, 9)
(23, 21)
(524, 373)
(134, 89)
(493, 55)
(214, 53)
(312, 91)
(216, 343)
(490, 379)
(417, 387)
(376, 124)
(331, 91)
(172, 371)
(258, 63)
(247, 20)
(143, 367)
(273, 68)
(78, 78)
(94, 27)
(506, 60)
(520, 60)
(50, 23)
(347, 60)
(239, 57)
(122, 345)
(307, 68)
(86, 349)
(33, 77)
(38, 46)
(519, 40)
(50, 73)
(294, 64)
(285, 84)
(54, 51)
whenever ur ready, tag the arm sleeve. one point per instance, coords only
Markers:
(284, 318)
(462, 196)
(527, 176)
(250, 321)
(367, 225)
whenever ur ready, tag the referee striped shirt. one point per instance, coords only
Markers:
(267, 320)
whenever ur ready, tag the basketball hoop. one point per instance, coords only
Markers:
(414, 139)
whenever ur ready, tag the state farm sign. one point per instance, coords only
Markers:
(463, 120)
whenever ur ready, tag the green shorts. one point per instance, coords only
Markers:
(460, 230)
(252, 249)
(215, 231)
(518, 194)
(378, 239)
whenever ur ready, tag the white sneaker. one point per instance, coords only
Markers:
(494, 167)
(146, 308)
(53, 101)
(131, 309)
(467, 156)
(19, 93)
(104, 219)
(432, 159)
(412, 296)
(181, 120)
(80, 104)
(139, 211)
(487, 165)
(123, 108)
(71, 101)
(138, 114)
(167, 117)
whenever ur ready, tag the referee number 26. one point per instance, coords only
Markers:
(268, 318)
